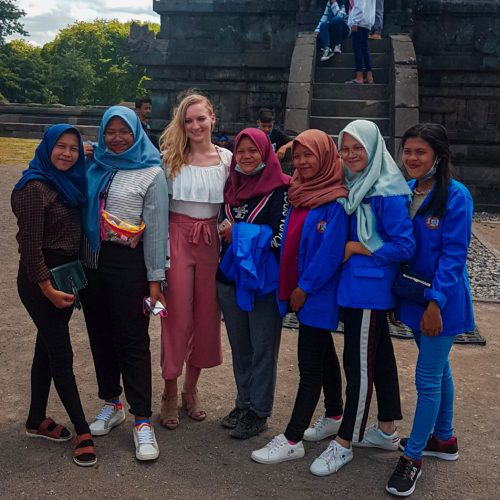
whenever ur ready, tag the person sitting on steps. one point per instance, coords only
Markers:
(332, 27)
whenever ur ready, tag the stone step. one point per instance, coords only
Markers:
(36, 130)
(377, 91)
(49, 119)
(344, 74)
(335, 125)
(339, 107)
(373, 45)
(346, 59)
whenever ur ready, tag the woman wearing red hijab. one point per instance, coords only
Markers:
(252, 222)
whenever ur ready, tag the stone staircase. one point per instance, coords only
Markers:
(335, 103)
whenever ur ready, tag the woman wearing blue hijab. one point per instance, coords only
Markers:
(125, 220)
(46, 202)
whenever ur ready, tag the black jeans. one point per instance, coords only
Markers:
(319, 367)
(117, 328)
(53, 358)
(368, 360)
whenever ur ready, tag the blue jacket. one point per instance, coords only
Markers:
(441, 255)
(366, 282)
(321, 252)
(250, 263)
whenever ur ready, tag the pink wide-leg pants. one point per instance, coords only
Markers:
(191, 332)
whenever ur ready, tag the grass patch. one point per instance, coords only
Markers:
(17, 150)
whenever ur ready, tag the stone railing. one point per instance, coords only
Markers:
(403, 81)
(300, 82)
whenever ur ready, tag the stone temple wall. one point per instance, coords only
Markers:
(236, 52)
(458, 54)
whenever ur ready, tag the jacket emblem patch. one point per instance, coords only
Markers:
(321, 226)
(432, 222)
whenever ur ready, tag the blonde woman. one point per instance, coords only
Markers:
(197, 171)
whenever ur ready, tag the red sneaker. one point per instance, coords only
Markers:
(445, 450)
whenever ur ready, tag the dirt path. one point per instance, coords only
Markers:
(199, 460)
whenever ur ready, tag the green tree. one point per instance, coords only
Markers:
(9, 20)
(23, 73)
(101, 49)
(72, 78)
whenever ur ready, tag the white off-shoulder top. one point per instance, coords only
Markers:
(198, 191)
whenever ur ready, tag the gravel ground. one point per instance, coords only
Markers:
(199, 460)
(484, 272)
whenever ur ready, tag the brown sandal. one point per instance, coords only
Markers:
(190, 405)
(84, 453)
(169, 416)
(48, 429)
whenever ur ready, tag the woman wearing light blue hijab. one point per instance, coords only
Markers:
(125, 222)
(380, 238)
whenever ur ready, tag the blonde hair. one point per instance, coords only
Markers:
(174, 144)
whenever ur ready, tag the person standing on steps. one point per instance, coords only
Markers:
(311, 259)
(47, 202)
(361, 19)
(332, 28)
(441, 209)
(197, 171)
(380, 239)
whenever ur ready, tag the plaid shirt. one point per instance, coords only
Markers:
(44, 224)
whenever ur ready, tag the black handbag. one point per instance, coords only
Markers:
(69, 278)
(411, 286)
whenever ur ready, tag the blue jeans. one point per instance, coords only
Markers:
(379, 16)
(435, 393)
(255, 341)
(360, 49)
(337, 30)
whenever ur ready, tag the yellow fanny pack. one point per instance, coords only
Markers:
(120, 231)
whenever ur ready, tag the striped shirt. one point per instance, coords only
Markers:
(135, 196)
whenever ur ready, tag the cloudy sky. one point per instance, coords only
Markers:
(44, 18)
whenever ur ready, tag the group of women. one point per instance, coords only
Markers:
(199, 231)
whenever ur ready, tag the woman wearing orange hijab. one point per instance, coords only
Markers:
(311, 258)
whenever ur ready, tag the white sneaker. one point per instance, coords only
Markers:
(324, 427)
(331, 460)
(278, 450)
(375, 438)
(146, 447)
(327, 54)
(110, 416)
(337, 49)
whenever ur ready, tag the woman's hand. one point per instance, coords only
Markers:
(155, 293)
(431, 323)
(297, 299)
(60, 299)
(227, 233)
(354, 28)
(355, 247)
(88, 149)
